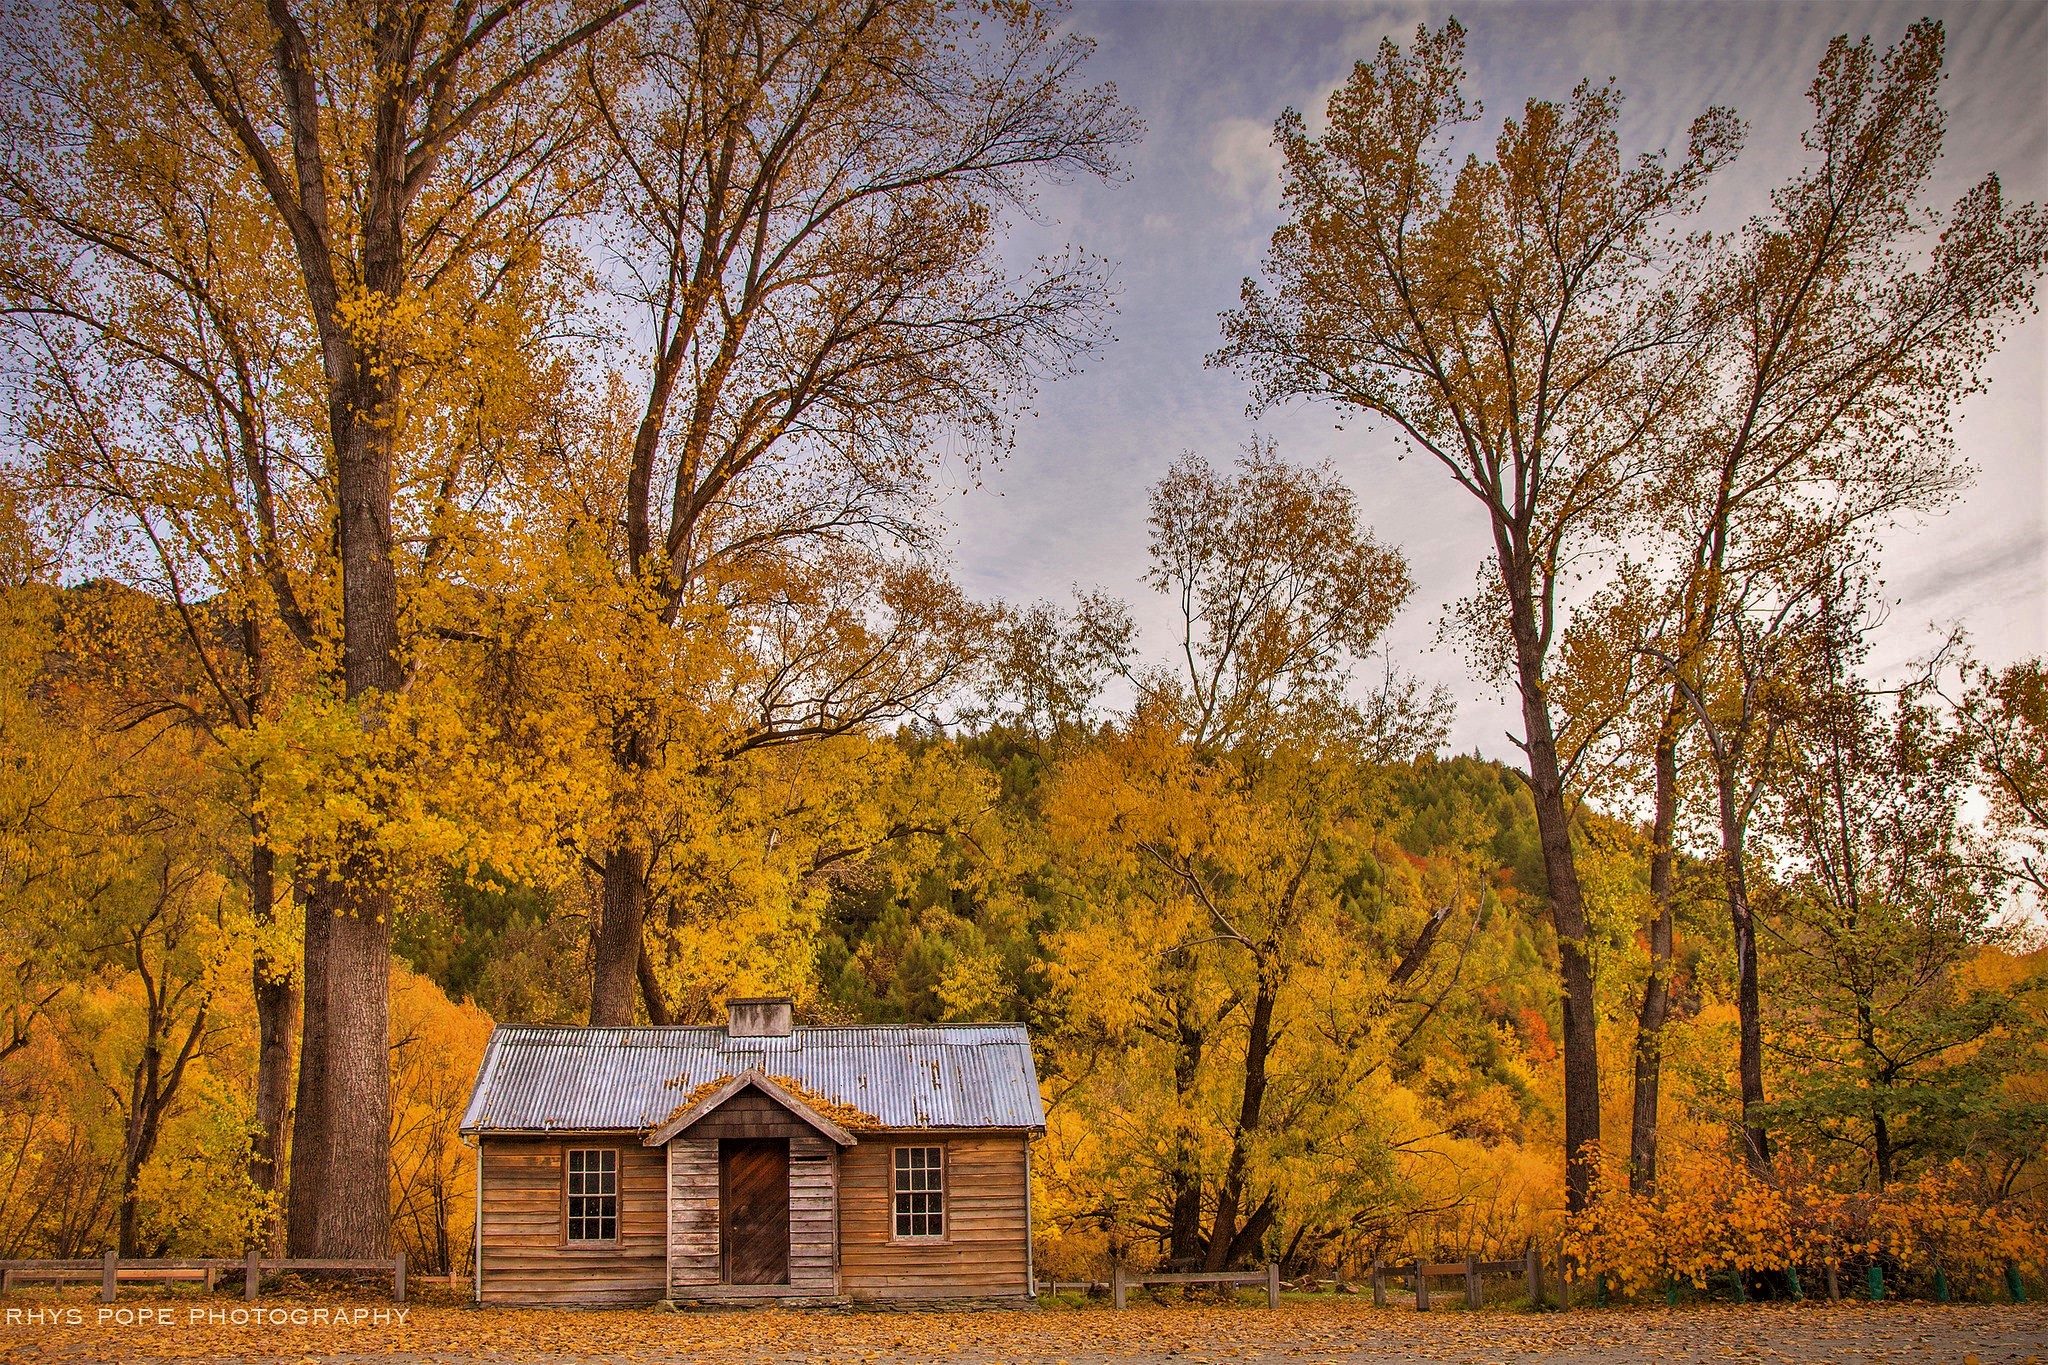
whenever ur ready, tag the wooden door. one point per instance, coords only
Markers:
(753, 1210)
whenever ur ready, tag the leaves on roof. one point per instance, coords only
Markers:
(850, 1117)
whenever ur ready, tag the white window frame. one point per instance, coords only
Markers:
(899, 1194)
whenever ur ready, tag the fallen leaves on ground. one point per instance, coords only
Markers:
(1300, 1333)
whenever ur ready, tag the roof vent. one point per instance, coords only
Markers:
(764, 1016)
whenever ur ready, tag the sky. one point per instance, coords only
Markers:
(1066, 508)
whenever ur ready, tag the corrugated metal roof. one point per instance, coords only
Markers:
(536, 1078)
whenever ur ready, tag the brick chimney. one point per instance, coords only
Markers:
(761, 1016)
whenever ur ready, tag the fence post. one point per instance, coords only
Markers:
(398, 1279)
(1532, 1270)
(1421, 1286)
(109, 1276)
(252, 1275)
(1272, 1284)
(1475, 1292)
(1379, 1284)
(1116, 1284)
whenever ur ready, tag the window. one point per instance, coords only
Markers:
(920, 1192)
(592, 1189)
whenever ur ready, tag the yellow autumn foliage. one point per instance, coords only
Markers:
(436, 1046)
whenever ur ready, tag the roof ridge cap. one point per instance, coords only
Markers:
(586, 1030)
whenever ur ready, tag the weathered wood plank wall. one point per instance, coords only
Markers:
(813, 1214)
(692, 1211)
(525, 1259)
(983, 1254)
(841, 1224)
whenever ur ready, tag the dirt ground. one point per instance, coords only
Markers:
(49, 1328)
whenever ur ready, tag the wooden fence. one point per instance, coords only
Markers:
(111, 1271)
(1472, 1271)
(1414, 1278)
(1076, 1286)
(1121, 1281)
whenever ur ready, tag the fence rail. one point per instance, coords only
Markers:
(1417, 1275)
(1121, 1280)
(1076, 1286)
(1413, 1277)
(111, 1270)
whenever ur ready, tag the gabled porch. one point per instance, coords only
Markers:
(752, 1194)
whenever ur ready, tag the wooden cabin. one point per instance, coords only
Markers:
(754, 1162)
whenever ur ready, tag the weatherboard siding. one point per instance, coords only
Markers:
(525, 1258)
(984, 1254)
(692, 1212)
(813, 1213)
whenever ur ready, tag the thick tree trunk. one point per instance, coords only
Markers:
(1246, 1243)
(617, 942)
(341, 1149)
(354, 1216)
(1567, 901)
(616, 948)
(341, 1182)
(1642, 1137)
(276, 991)
(1223, 1237)
(345, 1180)
(1748, 1000)
(340, 1196)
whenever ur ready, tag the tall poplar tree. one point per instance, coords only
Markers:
(1511, 318)
(1846, 323)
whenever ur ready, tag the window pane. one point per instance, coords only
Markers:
(591, 1189)
(919, 1198)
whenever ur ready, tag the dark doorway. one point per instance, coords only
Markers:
(753, 1210)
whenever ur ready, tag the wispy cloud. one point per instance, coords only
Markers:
(2018, 557)
(1245, 161)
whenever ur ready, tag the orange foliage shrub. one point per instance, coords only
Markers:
(1711, 1215)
